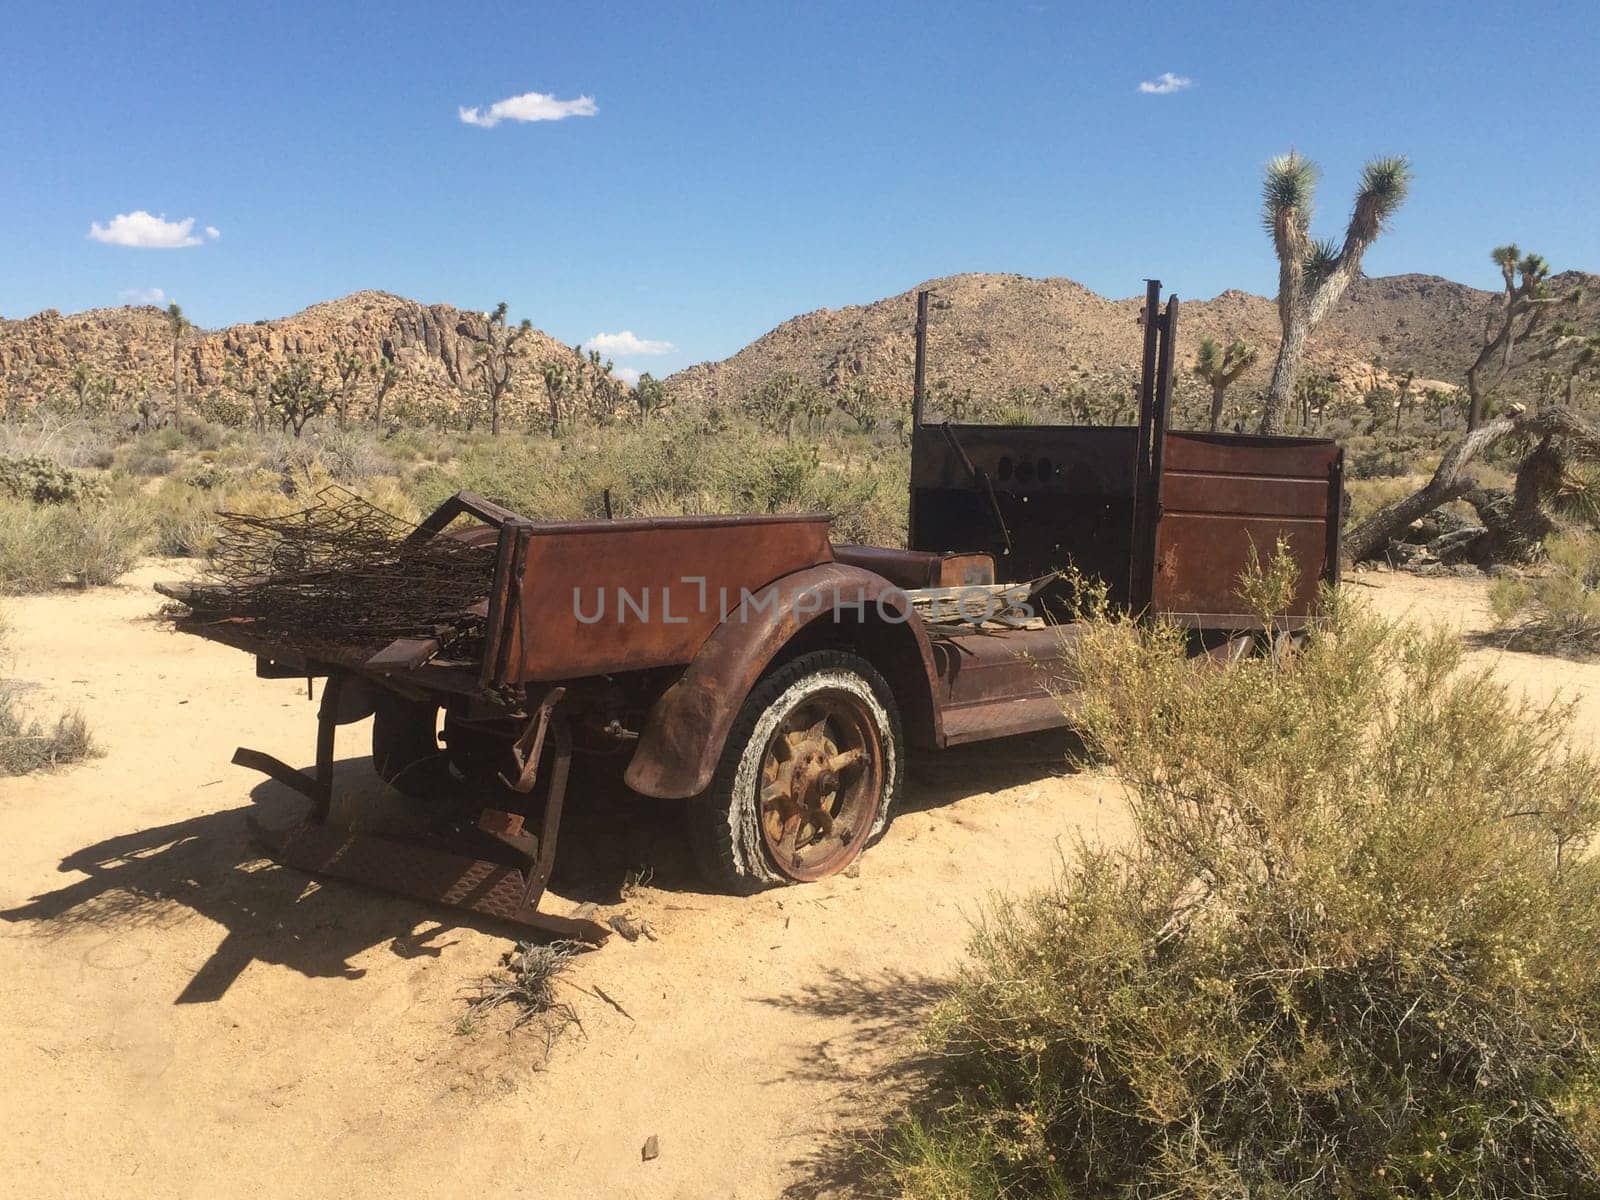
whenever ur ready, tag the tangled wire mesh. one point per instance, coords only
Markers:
(345, 572)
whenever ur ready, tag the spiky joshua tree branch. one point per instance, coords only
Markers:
(1313, 275)
(1220, 367)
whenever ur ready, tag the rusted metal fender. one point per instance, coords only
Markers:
(683, 735)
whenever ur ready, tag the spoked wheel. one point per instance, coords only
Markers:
(808, 776)
(821, 783)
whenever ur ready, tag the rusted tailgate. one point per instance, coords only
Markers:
(1221, 495)
(584, 598)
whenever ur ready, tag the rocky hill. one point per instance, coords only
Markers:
(995, 333)
(117, 356)
(993, 336)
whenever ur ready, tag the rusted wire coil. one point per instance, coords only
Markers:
(345, 572)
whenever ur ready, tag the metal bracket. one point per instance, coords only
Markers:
(525, 750)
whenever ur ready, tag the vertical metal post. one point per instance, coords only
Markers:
(1147, 370)
(1144, 445)
(1335, 546)
(327, 725)
(922, 362)
(1161, 403)
(1148, 531)
(917, 394)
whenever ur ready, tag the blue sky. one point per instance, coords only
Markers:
(746, 162)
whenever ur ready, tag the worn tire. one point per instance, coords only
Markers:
(724, 822)
(405, 746)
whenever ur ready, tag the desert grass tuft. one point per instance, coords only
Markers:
(526, 981)
(1557, 612)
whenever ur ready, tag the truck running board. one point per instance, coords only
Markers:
(430, 870)
(427, 873)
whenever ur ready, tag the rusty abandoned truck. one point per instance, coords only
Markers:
(745, 666)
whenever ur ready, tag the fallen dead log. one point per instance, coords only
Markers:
(1519, 525)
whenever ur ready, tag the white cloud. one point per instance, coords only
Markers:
(141, 295)
(1165, 84)
(530, 106)
(149, 232)
(628, 375)
(627, 343)
(213, 232)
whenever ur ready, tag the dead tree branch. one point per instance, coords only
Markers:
(1369, 539)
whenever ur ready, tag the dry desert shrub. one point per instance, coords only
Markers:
(1354, 949)
(1558, 612)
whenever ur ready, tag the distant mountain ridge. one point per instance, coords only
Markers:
(990, 333)
(993, 333)
(132, 349)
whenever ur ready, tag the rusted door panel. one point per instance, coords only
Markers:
(591, 598)
(1064, 493)
(1222, 495)
(1259, 495)
(1200, 557)
(1237, 454)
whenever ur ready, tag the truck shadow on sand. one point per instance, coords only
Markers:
(214, 866)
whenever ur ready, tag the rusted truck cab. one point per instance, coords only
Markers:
(767, 678)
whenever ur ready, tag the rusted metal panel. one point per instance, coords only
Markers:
(919, 568)
(964, 570)
(1224, 495)
(1065, 493)
(1246, 495)
(998, 684)
(599, 597)
(1242, 455)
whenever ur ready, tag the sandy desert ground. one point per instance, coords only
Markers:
(185, 1019)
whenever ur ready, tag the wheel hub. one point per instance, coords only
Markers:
(819, 790)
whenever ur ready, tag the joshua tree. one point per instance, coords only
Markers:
(1518, 319)
(385, 374)
(1220, 367)
(91, 388)
(494, 357)
(1313, 275)
(298, 393)
(1438, 402)
(1313, 394)
(348, 370)
(860, 403)
(604, 390)
(1403, 403)
(253, 383)
(650, 394)
(1583, 365)
(557, 378)
(180, 326)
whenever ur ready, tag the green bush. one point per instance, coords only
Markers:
(49, 546)
(672, 466)
(1354, 949)
(41, 480)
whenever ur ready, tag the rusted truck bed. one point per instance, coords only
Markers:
(746, 666)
